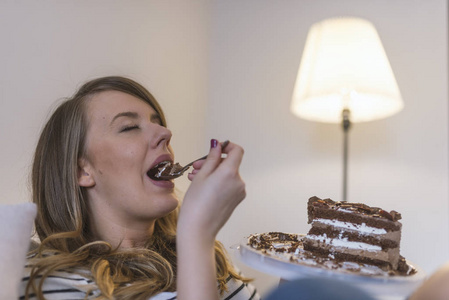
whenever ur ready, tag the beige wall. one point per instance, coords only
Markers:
(226, 69)
(398, 163)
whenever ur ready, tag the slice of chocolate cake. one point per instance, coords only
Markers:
(354, 232)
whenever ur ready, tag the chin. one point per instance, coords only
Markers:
(170, 203)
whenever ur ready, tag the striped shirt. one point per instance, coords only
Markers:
(71, 286)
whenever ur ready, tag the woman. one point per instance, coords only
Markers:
(107, 230)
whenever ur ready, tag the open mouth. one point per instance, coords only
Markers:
(161, 171)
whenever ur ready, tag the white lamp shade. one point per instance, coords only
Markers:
(344, 66)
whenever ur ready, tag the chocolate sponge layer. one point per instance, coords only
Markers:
(347, 240)
(356, 213)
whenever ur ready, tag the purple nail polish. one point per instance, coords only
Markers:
(213, 143)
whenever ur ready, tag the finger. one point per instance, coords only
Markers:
(213, 159)
(198, 164)
(234, 154)
(192, 174)
(224, 145)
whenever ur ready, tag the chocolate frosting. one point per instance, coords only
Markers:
(356, 207)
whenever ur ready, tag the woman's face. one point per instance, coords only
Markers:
(124, 140)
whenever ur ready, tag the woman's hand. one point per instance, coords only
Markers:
(216, 190)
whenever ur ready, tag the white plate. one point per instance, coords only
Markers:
(381, 287)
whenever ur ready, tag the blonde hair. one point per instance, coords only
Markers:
(62, 221)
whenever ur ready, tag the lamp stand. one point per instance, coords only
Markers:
(346, 124)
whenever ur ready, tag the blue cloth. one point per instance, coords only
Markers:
(317, 289)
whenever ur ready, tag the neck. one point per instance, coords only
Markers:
(118, 231)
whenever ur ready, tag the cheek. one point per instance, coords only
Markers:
(109, 156)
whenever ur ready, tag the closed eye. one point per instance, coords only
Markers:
(129, 128)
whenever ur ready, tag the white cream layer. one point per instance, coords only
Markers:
(362, 228)
(344, 243)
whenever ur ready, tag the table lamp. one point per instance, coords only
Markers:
(345, 77)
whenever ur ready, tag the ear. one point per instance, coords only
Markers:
(85, 178)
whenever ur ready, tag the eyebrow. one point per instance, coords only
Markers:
(129, 114)
(134, 115)
(156, 117)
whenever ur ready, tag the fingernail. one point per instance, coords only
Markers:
(213, 143)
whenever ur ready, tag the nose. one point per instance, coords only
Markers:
(162, 136)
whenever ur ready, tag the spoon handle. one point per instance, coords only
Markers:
(225, 143)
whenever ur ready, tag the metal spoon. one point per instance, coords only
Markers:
(166, 170)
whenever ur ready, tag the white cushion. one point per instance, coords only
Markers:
(16, 224)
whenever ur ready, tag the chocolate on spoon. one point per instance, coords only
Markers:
(166, 170)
